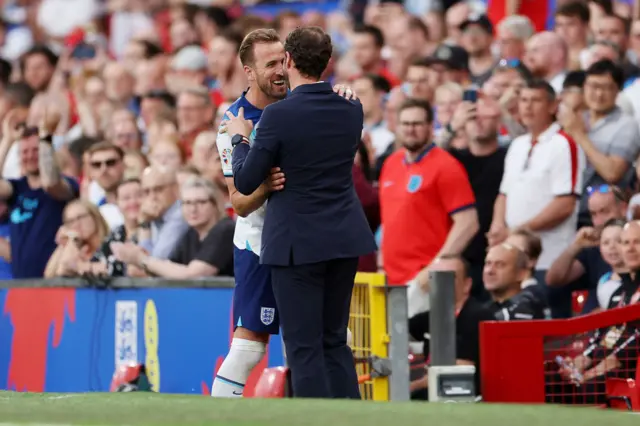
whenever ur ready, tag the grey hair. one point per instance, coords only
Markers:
(198, 182)
(518, 25)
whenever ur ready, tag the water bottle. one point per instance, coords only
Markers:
(576, 376)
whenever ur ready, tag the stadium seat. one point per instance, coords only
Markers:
(273, 383)
(130, 377)
(624, 394)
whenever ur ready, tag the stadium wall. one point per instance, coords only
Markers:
(70, 339)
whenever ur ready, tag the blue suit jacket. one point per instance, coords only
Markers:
(312, 136)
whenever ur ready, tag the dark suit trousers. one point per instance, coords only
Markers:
(313, 303)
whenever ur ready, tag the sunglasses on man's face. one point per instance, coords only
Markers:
(605, 189)
(107, 163)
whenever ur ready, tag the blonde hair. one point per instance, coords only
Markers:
(449, 87)
(102, 229)
(198, 182)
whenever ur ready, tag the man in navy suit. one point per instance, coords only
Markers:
(315, 229)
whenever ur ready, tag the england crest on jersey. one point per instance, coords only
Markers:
(267, 315)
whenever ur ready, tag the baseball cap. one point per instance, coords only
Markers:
(451, 56)
(482, 21)
(189, 58)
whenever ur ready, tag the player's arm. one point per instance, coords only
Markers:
(252, 164)
(242, 204)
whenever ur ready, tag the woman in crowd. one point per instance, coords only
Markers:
(128, 199)
(610, 251)
(78, 238)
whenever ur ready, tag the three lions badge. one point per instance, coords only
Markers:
(267, 315)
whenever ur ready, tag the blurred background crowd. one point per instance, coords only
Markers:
(500, 140)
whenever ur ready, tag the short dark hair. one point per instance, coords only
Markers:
(5, 71)
(466, 267)
(217, 15)
(310, 49)
(79, 146)
(378, 82)
(261, 36)
(373, 31)
(418, 103)
(421, 62)
(533, 247)
(574, 79)
(540, 84)
(606, 5)
(105, 146)
(151, 49)
(575, 9)
(39, 49)
(19, 94)
(607, 67)
(615, 222)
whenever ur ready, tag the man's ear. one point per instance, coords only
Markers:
(288, 63)
(248, 71)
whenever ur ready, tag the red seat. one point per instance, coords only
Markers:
(624, 394)
(125, 374)
(273, 383)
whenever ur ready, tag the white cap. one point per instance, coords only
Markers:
(189, 58)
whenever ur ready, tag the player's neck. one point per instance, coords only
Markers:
(258, 98)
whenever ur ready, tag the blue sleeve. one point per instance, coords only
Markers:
(73, 184)
(251, 165)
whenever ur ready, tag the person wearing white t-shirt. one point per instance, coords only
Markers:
(542, 179)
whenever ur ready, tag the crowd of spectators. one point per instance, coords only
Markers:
(491, 146)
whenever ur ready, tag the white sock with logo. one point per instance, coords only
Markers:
(243, 356)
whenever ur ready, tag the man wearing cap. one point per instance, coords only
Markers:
(451, 63)
(477, 36)
(189, 67)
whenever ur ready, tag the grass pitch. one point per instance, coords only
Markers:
(135, 409)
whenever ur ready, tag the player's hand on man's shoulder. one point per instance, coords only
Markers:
(345, 91)
(237, 124)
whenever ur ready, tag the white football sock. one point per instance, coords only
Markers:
(243, 356)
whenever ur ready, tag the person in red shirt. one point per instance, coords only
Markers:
(427, 204)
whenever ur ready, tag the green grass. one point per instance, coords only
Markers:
(183, 410)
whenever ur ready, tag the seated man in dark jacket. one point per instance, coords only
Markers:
(469, 314)
(505, 269)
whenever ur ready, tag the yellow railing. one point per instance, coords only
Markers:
(368, 323)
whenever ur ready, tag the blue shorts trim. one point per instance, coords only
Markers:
(254, 306)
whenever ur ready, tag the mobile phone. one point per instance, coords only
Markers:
(83, 51)
(470, 95)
